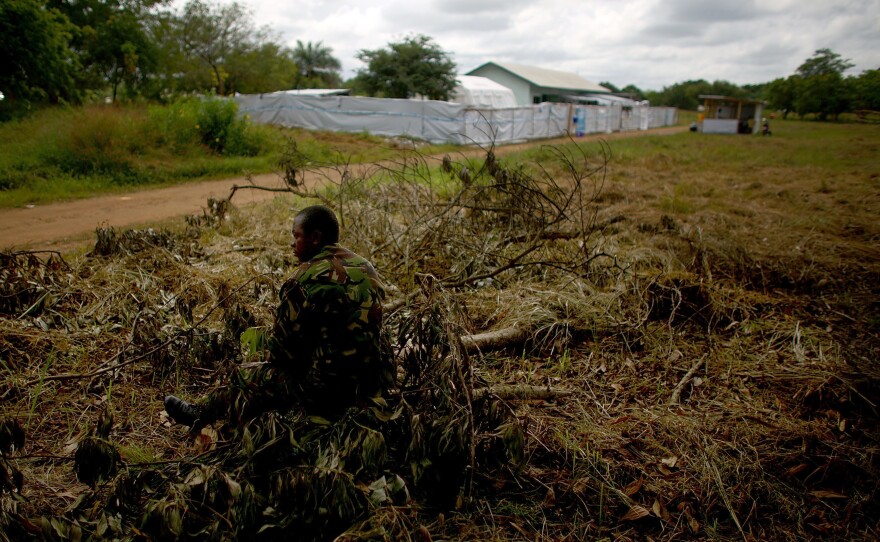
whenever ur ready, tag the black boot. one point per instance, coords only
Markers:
(182, 412)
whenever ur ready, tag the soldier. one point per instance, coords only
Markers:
(325, 351)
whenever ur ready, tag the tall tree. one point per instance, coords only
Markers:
(823, 62)
(634, 92)
(821, 88)
(781, 94)
(37, 61)
(266, 68)
(867, 90)
(112, 42)
(415, 66)
(213, 34)
(317, 65)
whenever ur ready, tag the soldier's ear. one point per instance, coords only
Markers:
(318, 238)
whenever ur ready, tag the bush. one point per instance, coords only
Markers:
(225, 132)
(175, 126)
(103, 141)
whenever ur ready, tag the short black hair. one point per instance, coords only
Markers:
(321, 218)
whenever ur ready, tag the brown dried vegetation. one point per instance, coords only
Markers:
(707, 340)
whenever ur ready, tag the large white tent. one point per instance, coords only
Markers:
(483, 93)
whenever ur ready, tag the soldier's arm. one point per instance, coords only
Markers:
(287, 336)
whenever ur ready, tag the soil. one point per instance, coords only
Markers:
(68, 225)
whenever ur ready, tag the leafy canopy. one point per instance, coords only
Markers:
(415, 66)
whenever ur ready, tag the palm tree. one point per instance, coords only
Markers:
(316, 64)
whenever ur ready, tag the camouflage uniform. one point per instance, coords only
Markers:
(325, 349)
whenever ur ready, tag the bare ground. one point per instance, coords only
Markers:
(66, 225)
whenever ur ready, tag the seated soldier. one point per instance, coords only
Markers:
(324, 349)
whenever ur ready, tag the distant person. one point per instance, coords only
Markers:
(765, 127)
(325, 352)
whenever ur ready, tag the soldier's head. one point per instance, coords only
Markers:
(313, 228)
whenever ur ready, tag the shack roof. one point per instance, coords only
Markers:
(717, 98)
(542, 77)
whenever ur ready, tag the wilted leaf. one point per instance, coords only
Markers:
(796, 469)
(635, 512)
(205, 440)
(633, 487)
(821, 494)
(669, 461)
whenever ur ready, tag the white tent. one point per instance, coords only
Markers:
(480, 92)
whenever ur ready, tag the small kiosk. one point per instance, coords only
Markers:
(726, 115)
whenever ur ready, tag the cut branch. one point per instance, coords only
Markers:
(493, 340)
(676, 393)
(522, 392)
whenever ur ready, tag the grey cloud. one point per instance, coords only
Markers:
(701, 11)
(673, 31)
(478, 6)
(432, 21)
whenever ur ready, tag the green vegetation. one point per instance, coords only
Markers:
(59, 154)
(414, 66)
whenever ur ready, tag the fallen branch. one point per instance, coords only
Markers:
(236, 187)
(493, 340)
(107, 367)
(676, 393)
(520, 392)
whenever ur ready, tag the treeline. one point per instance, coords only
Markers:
(818, 88)
(63, 51)
(75, 51)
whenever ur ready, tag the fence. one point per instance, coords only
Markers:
(445, 122)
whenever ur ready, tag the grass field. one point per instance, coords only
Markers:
(62, 154)
(693, 356)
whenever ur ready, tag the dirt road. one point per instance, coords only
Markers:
(62, 226)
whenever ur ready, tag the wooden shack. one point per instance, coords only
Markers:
(727, 115)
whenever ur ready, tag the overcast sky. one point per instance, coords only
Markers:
(649, 43)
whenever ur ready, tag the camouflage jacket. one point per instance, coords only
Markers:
(326, 339)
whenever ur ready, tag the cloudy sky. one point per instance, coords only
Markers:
(649, 43)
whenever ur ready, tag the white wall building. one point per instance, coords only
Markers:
(533, 85)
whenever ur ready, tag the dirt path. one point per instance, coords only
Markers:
(66, 225)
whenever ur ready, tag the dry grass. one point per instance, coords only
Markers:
(711, 304)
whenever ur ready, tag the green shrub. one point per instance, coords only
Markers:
(225, 132)
(175, 126)
(104, 141)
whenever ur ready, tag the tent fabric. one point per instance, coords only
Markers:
(482, 92)
(543, 77)
(446, 122)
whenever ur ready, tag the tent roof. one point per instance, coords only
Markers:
(314, 92)
(482, 92)
(543, 77)
(475, 82)
(604, 99)
(717, 98)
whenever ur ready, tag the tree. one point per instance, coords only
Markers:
(823, 62)
(609, 85)
(317, 65)
(266, 68)
(821, 88)
(112, 42)
(867, 90)
(213, 34)
(781, 94)
(37, 61)
(634, 92)
(413, 67)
